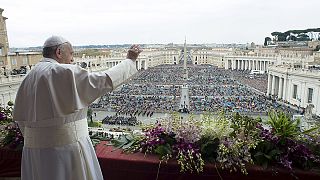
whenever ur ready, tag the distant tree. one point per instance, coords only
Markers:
(266, 40)
(297, 35)
(292, 38)
(303, 37)
(89, 114)
(282, 37)
(279, 36)
(276, 34)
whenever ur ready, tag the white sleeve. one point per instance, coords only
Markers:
(121, 72)
(81, 88)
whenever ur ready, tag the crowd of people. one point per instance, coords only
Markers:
(163, 74)
(257, 81)
(148, 89)
(120, 120)
(158, 89)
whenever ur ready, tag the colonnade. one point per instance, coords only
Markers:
(92, 64)
(278, 86)
(247, 64)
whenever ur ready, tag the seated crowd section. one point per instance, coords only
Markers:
(158, 89)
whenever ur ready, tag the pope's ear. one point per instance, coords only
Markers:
(58, 52)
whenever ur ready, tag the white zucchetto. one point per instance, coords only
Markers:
(54, 41)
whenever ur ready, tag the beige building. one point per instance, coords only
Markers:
(299, 86)
(4, 44)
(11, 61)
(28, 59)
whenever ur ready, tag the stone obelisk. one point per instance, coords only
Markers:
(184, 101)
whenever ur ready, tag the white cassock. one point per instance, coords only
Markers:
(51, 110)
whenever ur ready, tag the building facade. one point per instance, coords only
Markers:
(298, 86)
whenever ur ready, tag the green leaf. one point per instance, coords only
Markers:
(310, 130)
(120, 142)
(267, 156)
(163, 150)
(265, 165)
(128, 145)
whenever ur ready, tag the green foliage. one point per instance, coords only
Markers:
(97, 137)
(265, 154)
(163, 150)
(234, 154)
(209, 148)
(11, 136)
(216, 126)
(128, 142)
(296, 35)
(10, 103)
(190, 161)
(6, 113)
(231, 141)
(266, 40)
(244, 123)
(303, 37)
(94, 124)
(283, 126)
(89, 112)
(276, 33)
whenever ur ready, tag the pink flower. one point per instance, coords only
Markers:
(2, 116)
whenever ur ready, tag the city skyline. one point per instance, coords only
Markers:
(97, 22)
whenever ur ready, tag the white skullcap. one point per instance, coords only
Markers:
(54, 41)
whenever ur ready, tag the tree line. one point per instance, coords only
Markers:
(295, 35)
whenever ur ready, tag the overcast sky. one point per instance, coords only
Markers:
(85, 22)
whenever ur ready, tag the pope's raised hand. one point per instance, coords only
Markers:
(134, 52)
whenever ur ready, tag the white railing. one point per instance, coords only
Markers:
(11, 79)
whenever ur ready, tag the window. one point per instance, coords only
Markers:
(310, 94)
(25, 61)
(295, 88)
(14, 62)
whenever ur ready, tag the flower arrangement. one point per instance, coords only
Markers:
(11, 136)
(231, 142)
(284, 144)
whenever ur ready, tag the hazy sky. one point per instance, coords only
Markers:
(85, 22)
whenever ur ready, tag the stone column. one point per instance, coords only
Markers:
(303, 94)
(226, 64)
(280, 93)
(317, 101)
(255, 64)
(242, 62)
(285, 89)
(273, 85)
(233, 64)
(248, 64)
(260, 67)
(269, 85)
